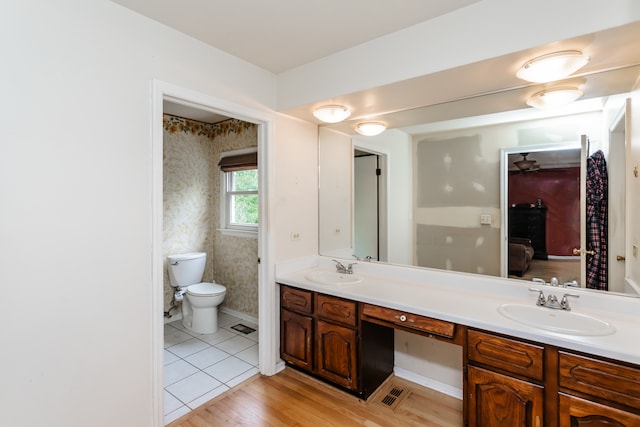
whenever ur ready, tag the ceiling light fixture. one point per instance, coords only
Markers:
(525, 164)
(331, 113)
(552, 98)
(370, 128)
(553, 66)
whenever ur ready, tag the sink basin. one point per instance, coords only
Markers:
(333, 278)
(560, 321)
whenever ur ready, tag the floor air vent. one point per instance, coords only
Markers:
(391, 396)
(242, 328)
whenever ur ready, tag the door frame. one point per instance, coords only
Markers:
(619, 135)
(269, 361)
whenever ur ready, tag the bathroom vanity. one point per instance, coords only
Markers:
(512, 374)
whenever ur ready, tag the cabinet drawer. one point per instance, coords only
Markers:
(414, 321)
(336, 309)
(613, 382)
(503, 353)
(296, 299)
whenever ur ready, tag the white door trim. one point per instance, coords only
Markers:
(267, 317)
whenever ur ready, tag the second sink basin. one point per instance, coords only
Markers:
(333, 278)
(560, 321)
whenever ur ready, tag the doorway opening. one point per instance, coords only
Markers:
(542, 210)
(369, 204)
(164, 93)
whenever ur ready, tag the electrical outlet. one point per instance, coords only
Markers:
(485, 219)
(295, 235)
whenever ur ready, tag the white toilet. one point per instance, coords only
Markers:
(201, 299)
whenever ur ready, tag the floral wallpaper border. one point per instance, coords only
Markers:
(173, 124)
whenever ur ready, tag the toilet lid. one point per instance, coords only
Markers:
(205, 289)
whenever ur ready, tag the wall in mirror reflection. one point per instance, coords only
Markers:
(458, 180)
(439, 186)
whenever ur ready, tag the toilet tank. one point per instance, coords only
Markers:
(186, 269)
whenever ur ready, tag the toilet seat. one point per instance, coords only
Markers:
(205, 289)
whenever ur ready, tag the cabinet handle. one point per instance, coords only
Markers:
(404, 318)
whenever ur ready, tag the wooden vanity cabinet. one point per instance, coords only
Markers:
(501, 400)
(296, 338)
(504, 380)
(596, 392)
(323, 335)
(507, 381)
(517, 383)
(577, 412)
(296, 327)
(336, 340)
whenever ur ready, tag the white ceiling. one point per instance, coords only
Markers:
(279, 35)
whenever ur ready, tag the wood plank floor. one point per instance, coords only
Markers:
(291, 398)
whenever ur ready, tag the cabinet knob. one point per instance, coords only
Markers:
(403, 318)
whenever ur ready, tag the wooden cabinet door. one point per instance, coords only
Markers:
(296, 339)
(336, 354)
(576, 412)
(496, 400)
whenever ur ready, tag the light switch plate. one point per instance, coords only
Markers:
(485, 219)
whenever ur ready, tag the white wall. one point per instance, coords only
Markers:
(294, 206)
(75, 185)
(335, 170)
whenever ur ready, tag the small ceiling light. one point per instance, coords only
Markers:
(331, 113)
(370, 128)
(554, 66)
(557, 97)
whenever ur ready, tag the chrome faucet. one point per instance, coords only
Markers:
(552, 301)
(341, 268)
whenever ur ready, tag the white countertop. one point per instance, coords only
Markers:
(473, 300)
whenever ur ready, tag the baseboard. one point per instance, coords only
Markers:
(428, 382)
(563, 258)
(242, 316)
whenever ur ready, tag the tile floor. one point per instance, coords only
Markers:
(197, 367)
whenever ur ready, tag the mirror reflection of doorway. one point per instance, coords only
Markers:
(544, 203)
(369, 205)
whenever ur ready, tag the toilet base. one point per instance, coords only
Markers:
(201, 320)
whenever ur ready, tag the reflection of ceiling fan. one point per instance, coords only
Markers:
(526, 165)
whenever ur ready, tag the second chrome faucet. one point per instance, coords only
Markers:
(552, 301)
(341, 268)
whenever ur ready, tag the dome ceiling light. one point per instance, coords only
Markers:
(370, 128)
(552, 98)
(553, 66)
(331, 113)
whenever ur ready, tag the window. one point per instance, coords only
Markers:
(239, 204)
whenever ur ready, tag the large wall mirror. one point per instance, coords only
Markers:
(456, 199)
